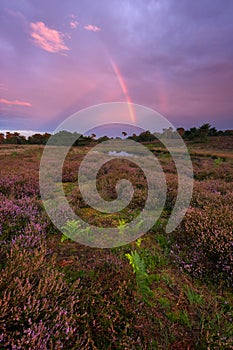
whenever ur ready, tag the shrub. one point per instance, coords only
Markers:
(16, 214)
(37, 305)
(204, 244)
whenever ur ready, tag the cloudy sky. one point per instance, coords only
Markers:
(57, 57)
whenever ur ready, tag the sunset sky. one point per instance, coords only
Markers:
(57, 57)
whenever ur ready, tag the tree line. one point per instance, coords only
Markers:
(65, 137)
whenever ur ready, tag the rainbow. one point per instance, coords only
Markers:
(124, 89)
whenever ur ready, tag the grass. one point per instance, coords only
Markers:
(193, 297)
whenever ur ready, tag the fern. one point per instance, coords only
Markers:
(64, 238)
(138, 242)
(70, 230)
(139, 269)
(73, 229)
(122, 225)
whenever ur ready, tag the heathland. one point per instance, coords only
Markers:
(163, 291)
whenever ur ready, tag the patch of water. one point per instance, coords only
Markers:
(121, 154)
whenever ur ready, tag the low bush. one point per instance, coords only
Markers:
(204, 244)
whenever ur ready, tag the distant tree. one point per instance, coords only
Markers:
(67, 138)
(93, 136)
(39, 139)
(83, 141)
(46, 137)
(205, 126)
(15, 138)
(145, 136)
(10, 137)
(168, 133)
(22, 140)
(203, 131)
(63, 138)
(2, 138)
(133, 137)
(180, 131)
(102, 139)
(213, 131)
(124, 133)
(191, 134)
(228, 132)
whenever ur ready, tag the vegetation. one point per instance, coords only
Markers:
(64, 137)
(139, 269)
(163, 291)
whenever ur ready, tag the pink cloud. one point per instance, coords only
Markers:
(48, 39)
(92, 28)
(74, 24)
(15, 103)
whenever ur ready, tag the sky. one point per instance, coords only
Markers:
(58, 57)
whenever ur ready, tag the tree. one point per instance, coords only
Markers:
(15, 138)
(2, 138)
(63, 138)
(168, 133)
(39, 139)
(213, 132)
(191, 133)
(102, 139)
(180, 131)
(203, 131)
(146, 136)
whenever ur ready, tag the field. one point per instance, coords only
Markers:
(163, 291)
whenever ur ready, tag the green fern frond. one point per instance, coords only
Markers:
(122, 225)
(138, 242)
(70, 229)
(139, 269)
